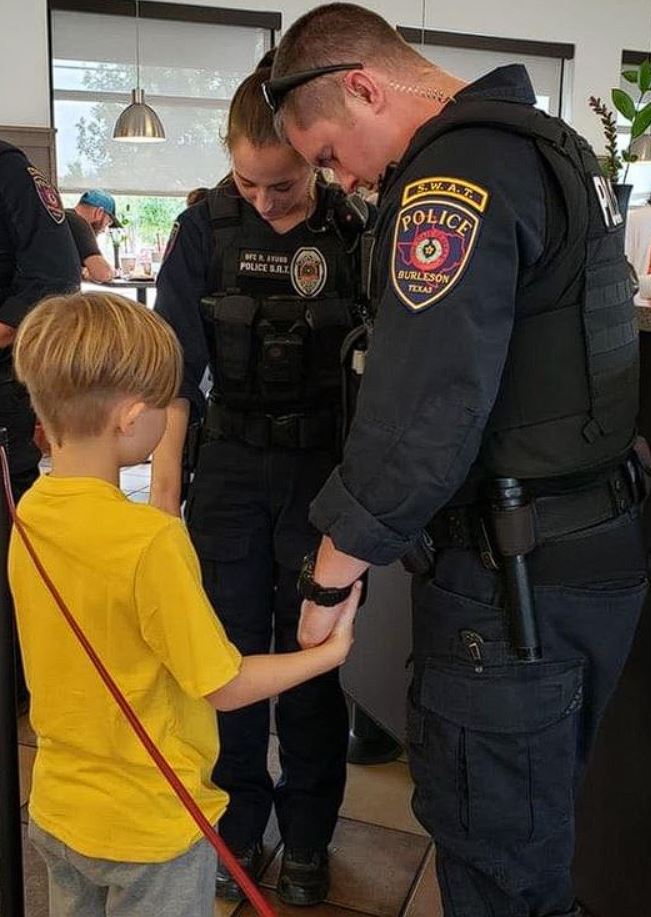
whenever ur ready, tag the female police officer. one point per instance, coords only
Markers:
(259, 282)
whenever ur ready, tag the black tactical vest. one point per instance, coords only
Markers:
(568, 399)
(280, 307)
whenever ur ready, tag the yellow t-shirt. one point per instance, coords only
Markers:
(131, 579)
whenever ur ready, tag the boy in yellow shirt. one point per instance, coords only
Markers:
(100, 371)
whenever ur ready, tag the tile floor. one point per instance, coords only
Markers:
(382, 861)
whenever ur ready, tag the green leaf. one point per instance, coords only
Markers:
(623, 103)
(641, 121)
(630, 76)
(644, 81)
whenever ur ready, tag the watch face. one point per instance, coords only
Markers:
(313, 592)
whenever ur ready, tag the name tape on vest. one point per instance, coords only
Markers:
(266, 264)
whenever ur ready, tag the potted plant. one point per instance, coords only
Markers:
(636, 111)
(120, 235)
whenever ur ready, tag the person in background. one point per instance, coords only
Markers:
(260, 282)
(37, 258)
(100, 371)
(638, 249)
(92, 215)
(493, 437)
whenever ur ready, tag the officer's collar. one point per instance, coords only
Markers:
(504, 84)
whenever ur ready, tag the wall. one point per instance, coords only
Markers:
(24, 73)
(598, 28)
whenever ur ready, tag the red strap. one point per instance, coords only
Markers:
(261, 905)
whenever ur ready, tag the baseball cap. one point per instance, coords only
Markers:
(98, 198)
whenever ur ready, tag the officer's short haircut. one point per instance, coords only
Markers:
(334, 34)
(76, 354)
(249, 116)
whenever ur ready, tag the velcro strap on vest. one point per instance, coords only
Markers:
(555, 516)
(268, 431)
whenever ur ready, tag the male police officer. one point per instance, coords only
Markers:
(37, 258)
(497, 412)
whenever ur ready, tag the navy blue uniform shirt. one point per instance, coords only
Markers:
(182, 281)
(37, 253)
(438, 349)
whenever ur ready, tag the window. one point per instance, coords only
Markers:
(191, 61)
(639, 173)
(189, 71)
(472, 56)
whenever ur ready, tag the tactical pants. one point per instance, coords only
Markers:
(498, 747)
(247, 515)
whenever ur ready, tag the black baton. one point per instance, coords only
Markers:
(513, 527)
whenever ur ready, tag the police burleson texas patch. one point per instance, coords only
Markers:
(171, 242)
(308, 272)
(435, 235)
(48, 195)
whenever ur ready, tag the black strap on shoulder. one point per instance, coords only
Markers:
(225, 214)
(515, 117)
(224, 205)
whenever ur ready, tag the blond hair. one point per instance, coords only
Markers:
(335, 33)
(76, 354)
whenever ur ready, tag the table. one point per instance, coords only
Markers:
(140, 286)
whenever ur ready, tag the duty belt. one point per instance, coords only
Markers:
(318, 430)
(555, 516)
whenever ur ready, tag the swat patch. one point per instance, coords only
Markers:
(48, 195)
(308, 272)
(441, 186)
(434, 238)
(171, 242)
(266, 264)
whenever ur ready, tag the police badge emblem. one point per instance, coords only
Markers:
(308, 271)
(435, 235)
(48, 195)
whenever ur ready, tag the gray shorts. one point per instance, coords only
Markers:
(81, 886)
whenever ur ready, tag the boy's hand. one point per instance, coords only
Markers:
(341, 636)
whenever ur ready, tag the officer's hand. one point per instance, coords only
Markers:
(317, 623)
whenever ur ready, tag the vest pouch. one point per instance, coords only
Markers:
(232, 319)
(282, 360)
(329, 321)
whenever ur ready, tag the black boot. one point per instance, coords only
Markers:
(304, 877)
(250, 857)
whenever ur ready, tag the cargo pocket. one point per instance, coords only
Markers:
(493, 755)
(221, 546)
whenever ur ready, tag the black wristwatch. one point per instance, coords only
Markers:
(327, 596)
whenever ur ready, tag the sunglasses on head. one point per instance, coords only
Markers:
(275, 91)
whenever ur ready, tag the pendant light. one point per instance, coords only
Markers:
(138, 123)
